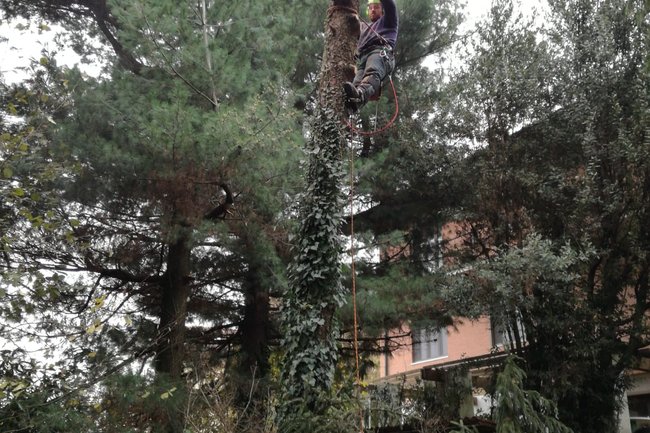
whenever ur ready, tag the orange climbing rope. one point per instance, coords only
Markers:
(352, 267)
(354, 284)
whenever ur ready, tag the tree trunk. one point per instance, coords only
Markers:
(170, 348)
(315, 288)
(255, 330)
(170, 353)
(249, 378)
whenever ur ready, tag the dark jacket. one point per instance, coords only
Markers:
(386, 27)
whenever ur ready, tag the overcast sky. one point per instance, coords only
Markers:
(23, 45)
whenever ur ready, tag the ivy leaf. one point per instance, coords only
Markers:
(95, 327)
(166, 395)
(98, 303)
(19, 387)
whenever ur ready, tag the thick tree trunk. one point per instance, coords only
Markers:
(255, 328)
(173, 303)
(170, 347)
(249, 377)
(342, 33)
(315, 288)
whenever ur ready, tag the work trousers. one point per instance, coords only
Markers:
(374, 67)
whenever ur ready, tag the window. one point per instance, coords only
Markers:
(639, 407)
(434, 249)
(503, 336)
(429, 344)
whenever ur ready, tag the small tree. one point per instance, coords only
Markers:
(523, 411)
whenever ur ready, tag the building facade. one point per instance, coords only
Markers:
(427, 354)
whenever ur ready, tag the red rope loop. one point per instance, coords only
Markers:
(383, 128)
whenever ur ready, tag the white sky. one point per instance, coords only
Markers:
(23, 45)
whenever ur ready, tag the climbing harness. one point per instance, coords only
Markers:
(382, 54)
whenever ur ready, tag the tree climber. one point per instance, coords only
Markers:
(375, 60)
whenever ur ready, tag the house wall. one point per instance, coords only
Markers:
(465, 339)
(474, 338)
(639, 385)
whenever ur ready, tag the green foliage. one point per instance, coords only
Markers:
(378, 295)
(315, 290)
(573, 174)
(133, 403)
(113, 179)
(386, 404)
(436, 404)
(501, 286)
(427, 406)
(523, 411)
(460, 427)
(341, 413)
(538, 143)
(34, 412)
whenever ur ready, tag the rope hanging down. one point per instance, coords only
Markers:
(353, 272)
(353, 268)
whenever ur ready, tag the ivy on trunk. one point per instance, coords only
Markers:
(315, 290)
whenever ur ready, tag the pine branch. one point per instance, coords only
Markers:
(119, 274)
(222, 209)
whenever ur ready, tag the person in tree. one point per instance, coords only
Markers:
(375, 59)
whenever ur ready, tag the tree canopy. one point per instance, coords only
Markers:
(157, 218)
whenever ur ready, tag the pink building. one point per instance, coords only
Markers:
(426, 354)
(423, 349)
(426, 348)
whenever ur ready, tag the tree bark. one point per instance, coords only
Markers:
(170, 344)
(255, 331)
(173, 309)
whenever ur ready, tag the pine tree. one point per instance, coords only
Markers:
(184, 160)
(519, 410)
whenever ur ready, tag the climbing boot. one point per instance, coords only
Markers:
(366, 90)
(359, 95)
(354, 97)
